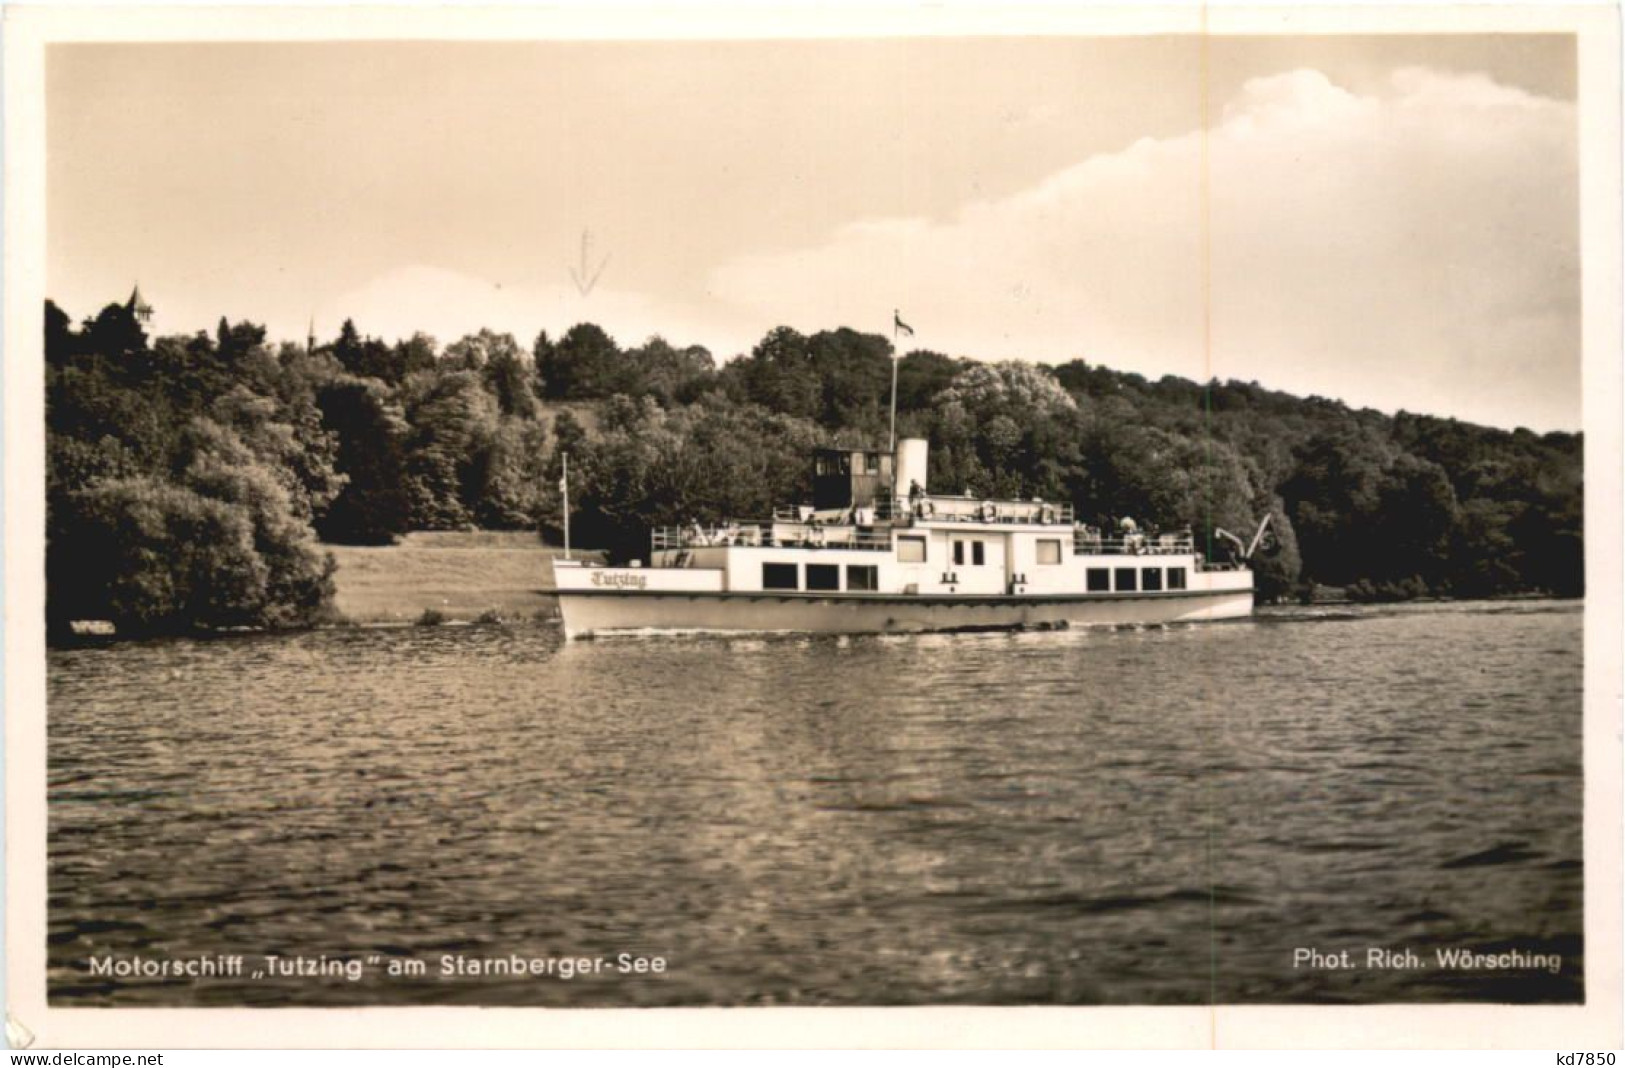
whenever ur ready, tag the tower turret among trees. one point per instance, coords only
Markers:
(137, 307)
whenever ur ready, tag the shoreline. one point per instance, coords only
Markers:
(455, 576)
(98, 634)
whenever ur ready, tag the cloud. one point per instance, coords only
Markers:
(1415, 247)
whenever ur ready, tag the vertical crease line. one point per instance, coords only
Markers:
(1205, 234)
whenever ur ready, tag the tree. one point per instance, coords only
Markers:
(368, 357)
(115, 335)
(1416, 521)
(585, 364)
(649, 467)
(454, 423)
(498, 361)
(853, 371)
(542, 355)
(513, 480)
(371, 509)
(921, 375)
(153, 557)
(297, 579)
(778, 375)
(1333, 497)
(1005, 429)
(841, 378)
(219, 548)
(292, 444)
(670, 375)
(415, 354)
(1009, 388)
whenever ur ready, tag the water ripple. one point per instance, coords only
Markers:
(1092, 816)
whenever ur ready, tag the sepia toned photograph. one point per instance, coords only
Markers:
(631, 520)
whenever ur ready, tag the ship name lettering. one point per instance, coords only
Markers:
(621, 580)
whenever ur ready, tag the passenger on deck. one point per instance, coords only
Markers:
(915, 493)
(1133, 540)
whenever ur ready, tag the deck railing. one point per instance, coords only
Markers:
(971, 510)
(1086, 541)
(1089, 543)
(776, 534)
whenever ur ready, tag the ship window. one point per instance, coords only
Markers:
(1176, 578)
(872, 463)
(1100, 580)
(1126, 579)
(1150, 578)
(959, 553)
(781, 577)
(1049, 550)
(864, 577)
(910, 550)
(823, 577)
(976, 556)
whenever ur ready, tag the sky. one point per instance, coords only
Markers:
(1390, 221)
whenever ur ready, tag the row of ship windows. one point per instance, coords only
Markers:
(865, 578)
(1134, 579)
(911, 550)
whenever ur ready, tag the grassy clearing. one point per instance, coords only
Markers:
(456, 576)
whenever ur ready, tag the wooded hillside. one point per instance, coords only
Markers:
(191, 478)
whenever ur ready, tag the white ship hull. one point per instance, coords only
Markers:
(590, 612)
(883, 565)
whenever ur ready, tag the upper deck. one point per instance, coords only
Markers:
(813, 533)
(871, 502)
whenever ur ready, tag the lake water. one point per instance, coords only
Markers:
(1109, 816)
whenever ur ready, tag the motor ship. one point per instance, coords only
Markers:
(876, 552)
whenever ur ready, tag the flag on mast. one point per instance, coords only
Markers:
(897, 324)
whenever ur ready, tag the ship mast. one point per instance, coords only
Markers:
(897, 326)
(564, 494)
(891, 442)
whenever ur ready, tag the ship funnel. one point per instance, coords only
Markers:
(910, 464)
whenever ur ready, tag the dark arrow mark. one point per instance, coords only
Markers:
(586, 276)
